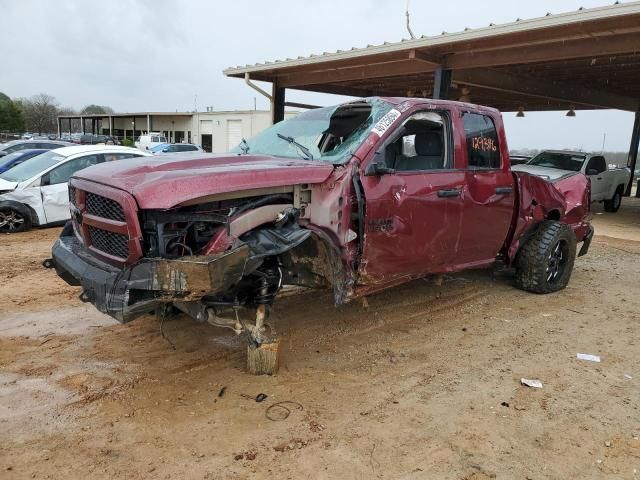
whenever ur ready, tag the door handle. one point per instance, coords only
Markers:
(504, 190)
(454, 192)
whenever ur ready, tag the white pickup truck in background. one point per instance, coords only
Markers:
(607, 185)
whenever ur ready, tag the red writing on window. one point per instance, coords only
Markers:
(484, 144)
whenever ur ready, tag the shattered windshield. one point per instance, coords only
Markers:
(330, 134)
(561, 161)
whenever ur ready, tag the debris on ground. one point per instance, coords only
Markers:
(221, 392)
(248, 455)
(281, 410)
(531, 383)
(588, 357)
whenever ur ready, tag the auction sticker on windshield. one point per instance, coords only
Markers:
(385, 122)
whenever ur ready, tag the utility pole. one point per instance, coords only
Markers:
(408, 23)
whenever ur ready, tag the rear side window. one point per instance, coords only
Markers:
(482, 141)
(186, 148)
(63, 173)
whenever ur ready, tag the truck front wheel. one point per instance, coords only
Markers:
(545, 261)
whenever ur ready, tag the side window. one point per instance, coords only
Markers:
(422, 145)
(186, 148)
(597, 163)
(155, 139)
(20, 146)
(63, 173)
(482, 141)
(110, 157)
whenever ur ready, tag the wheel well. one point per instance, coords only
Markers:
(34, 216)
(316, 263)
(553, 215)
(24, 210)
(620, 188)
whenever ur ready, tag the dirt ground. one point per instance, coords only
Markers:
(423, 383)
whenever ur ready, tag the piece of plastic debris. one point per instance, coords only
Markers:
(607, 443)
(531, 383)
(221, 392)
(588, 357)
(261, 397)
(627, 376)
(505, 404)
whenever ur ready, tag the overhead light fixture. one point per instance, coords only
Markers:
(520, 113)
(465, 95)
(571, 112)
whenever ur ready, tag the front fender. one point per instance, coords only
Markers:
(25, 210)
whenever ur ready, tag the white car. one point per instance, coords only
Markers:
(607, 185)
(36, 191)
(147, 142)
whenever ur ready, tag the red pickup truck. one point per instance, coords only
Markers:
(358, 197)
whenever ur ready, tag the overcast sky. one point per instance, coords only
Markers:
(158, 55)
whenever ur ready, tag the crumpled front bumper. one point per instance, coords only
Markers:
(128, 293)
(586, 240)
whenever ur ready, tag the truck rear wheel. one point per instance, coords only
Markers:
(545, 262)
(613, 204)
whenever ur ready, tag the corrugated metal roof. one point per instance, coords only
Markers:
(519, 26)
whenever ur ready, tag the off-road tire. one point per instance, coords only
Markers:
(539, 268)
(613, 204)
(13, 220)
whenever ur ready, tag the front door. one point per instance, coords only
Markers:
(490, 191)
(54, 189)
(413, 215)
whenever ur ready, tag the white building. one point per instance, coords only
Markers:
(216, 132)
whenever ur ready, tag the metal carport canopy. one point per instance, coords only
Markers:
(586, 59)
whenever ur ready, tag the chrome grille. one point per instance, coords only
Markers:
(72, 194)
(111, 243)
(104, 207)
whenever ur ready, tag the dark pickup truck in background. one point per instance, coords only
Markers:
(358, 197)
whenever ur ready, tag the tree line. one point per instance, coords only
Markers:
(38, 114)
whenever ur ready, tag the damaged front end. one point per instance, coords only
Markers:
(207, 260)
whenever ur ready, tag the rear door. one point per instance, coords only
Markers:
(54, 186)
(413, 215)
(489, 195)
